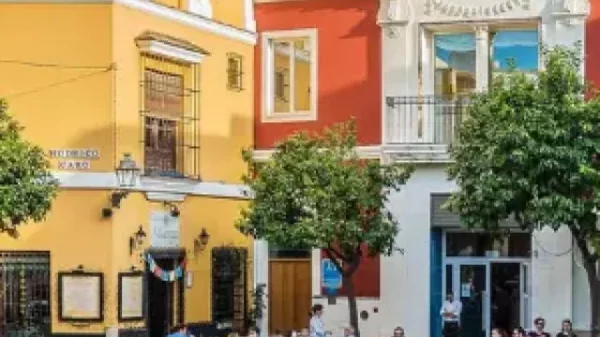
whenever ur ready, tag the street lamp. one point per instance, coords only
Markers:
(127, 173)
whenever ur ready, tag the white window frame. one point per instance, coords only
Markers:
(268, 114)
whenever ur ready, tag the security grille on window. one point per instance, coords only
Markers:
(289, 75)
(234, 72)
(24, 294)
(164, 104)
(229, 299)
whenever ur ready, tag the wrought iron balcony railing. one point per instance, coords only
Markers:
(427, 120)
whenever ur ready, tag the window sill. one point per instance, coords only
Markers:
(289, 117)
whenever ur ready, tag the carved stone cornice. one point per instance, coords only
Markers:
(392, 14)
(487, 8)
(570, 12)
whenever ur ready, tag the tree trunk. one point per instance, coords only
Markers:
(594, 283)
(352, 309)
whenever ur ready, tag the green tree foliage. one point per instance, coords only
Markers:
(529, 150)
(26, 185)
(315, 192)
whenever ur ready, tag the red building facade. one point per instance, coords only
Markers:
(317, 63)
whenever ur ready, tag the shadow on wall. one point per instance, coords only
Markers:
(349, 64)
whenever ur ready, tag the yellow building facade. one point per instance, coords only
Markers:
(169, 84)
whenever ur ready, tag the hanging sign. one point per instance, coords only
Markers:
(165, 275)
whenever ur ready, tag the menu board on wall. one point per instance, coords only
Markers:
(80, 296)
(131, 296)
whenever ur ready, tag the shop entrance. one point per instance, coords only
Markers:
(165, 298)
(493, 288)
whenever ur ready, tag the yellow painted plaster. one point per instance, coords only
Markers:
(67, 107)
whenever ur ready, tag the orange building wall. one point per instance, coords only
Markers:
(349, 65)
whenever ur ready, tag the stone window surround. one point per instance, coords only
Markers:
(481, 32)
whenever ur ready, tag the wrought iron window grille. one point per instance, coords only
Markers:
(169, 115)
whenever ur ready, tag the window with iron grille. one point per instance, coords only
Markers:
(24, 294)
(234, 72)
(170, 101)
(229, 300)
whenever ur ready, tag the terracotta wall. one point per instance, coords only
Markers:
(349, 65)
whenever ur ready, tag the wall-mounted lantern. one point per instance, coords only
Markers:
(127, 174)
(201, 241)
(136, 240)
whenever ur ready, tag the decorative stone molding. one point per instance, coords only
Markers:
(570, 12)
(491, 8)
(392, 13)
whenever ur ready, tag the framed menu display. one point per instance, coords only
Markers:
(80, 296)
(131, 296)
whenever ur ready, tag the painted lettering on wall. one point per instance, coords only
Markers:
(74, 159)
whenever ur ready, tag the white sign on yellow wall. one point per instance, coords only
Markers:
(74, 159)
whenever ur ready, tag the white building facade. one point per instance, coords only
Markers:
(436, 52)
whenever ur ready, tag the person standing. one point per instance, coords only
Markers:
(540, 324)
(317, 327)
(450, 312)
(566, 330)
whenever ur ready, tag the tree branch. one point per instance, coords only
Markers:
(355, 260)
(330, 254)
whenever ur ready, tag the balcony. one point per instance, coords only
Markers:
(420, 128)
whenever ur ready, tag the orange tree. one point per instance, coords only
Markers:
(529, 150)
(315, 192)
(26, 185)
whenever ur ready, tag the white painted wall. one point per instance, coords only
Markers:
(552, 276)
(261, 276)
(405, 278)
(581, 293)
(336, 316)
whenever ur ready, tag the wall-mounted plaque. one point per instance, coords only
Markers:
(80, 296)
(131, 296)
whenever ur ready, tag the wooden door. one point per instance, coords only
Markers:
(290, 294)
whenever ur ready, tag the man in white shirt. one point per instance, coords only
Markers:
(450, 312)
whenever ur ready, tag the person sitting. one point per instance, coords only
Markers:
(518, 332)
(566, 329)
(398, 332)
(540, 324)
